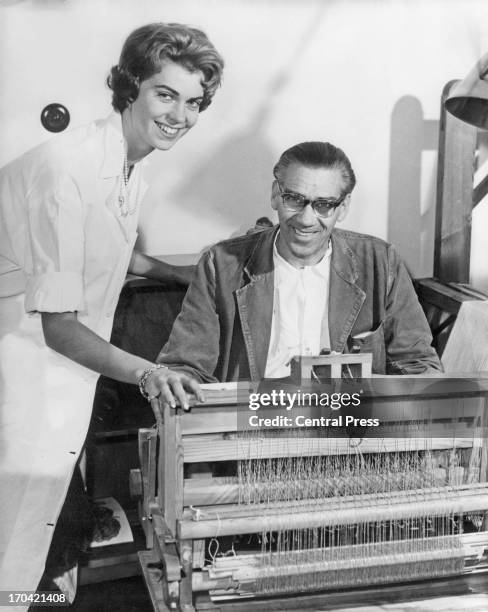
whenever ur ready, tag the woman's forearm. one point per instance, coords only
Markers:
(66, 335)
(149, 267)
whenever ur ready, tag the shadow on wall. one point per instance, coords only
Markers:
(234, 185)
(410, 229)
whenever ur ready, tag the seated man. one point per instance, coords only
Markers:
(299, 288)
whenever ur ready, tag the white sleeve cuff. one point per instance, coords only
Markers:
(54, 292)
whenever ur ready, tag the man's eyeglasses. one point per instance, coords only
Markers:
(295, 202)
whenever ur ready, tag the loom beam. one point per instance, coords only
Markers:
(256, 522)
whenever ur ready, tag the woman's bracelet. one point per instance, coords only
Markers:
(143, 379)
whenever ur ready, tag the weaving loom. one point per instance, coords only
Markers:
(300, 512)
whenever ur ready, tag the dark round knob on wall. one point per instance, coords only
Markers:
(55, 117)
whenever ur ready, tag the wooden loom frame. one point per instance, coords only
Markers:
(456, 197)
(175, 535)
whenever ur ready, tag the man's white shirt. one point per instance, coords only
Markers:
(300, 303)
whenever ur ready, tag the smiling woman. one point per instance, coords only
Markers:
(165, 77)
(69, 211)
(167, 107)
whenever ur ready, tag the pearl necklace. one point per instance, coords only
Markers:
(124, 199)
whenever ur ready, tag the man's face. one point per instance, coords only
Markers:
(304, 236)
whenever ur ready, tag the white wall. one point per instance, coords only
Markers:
(365, 74)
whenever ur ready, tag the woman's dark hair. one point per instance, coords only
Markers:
(318, 155)
(148, 46)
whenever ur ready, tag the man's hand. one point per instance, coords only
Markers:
(173, 387)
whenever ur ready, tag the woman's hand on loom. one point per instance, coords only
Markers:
(173, 387)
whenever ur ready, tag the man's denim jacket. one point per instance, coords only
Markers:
(223, 330)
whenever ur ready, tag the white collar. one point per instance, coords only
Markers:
(114, 147)
(321, 268)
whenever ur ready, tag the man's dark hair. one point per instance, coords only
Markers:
(317, 155)
(147, 47)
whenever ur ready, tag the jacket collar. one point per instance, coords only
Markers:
(261, 259)
(255, 303)
(343, 258)
(345, 296)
